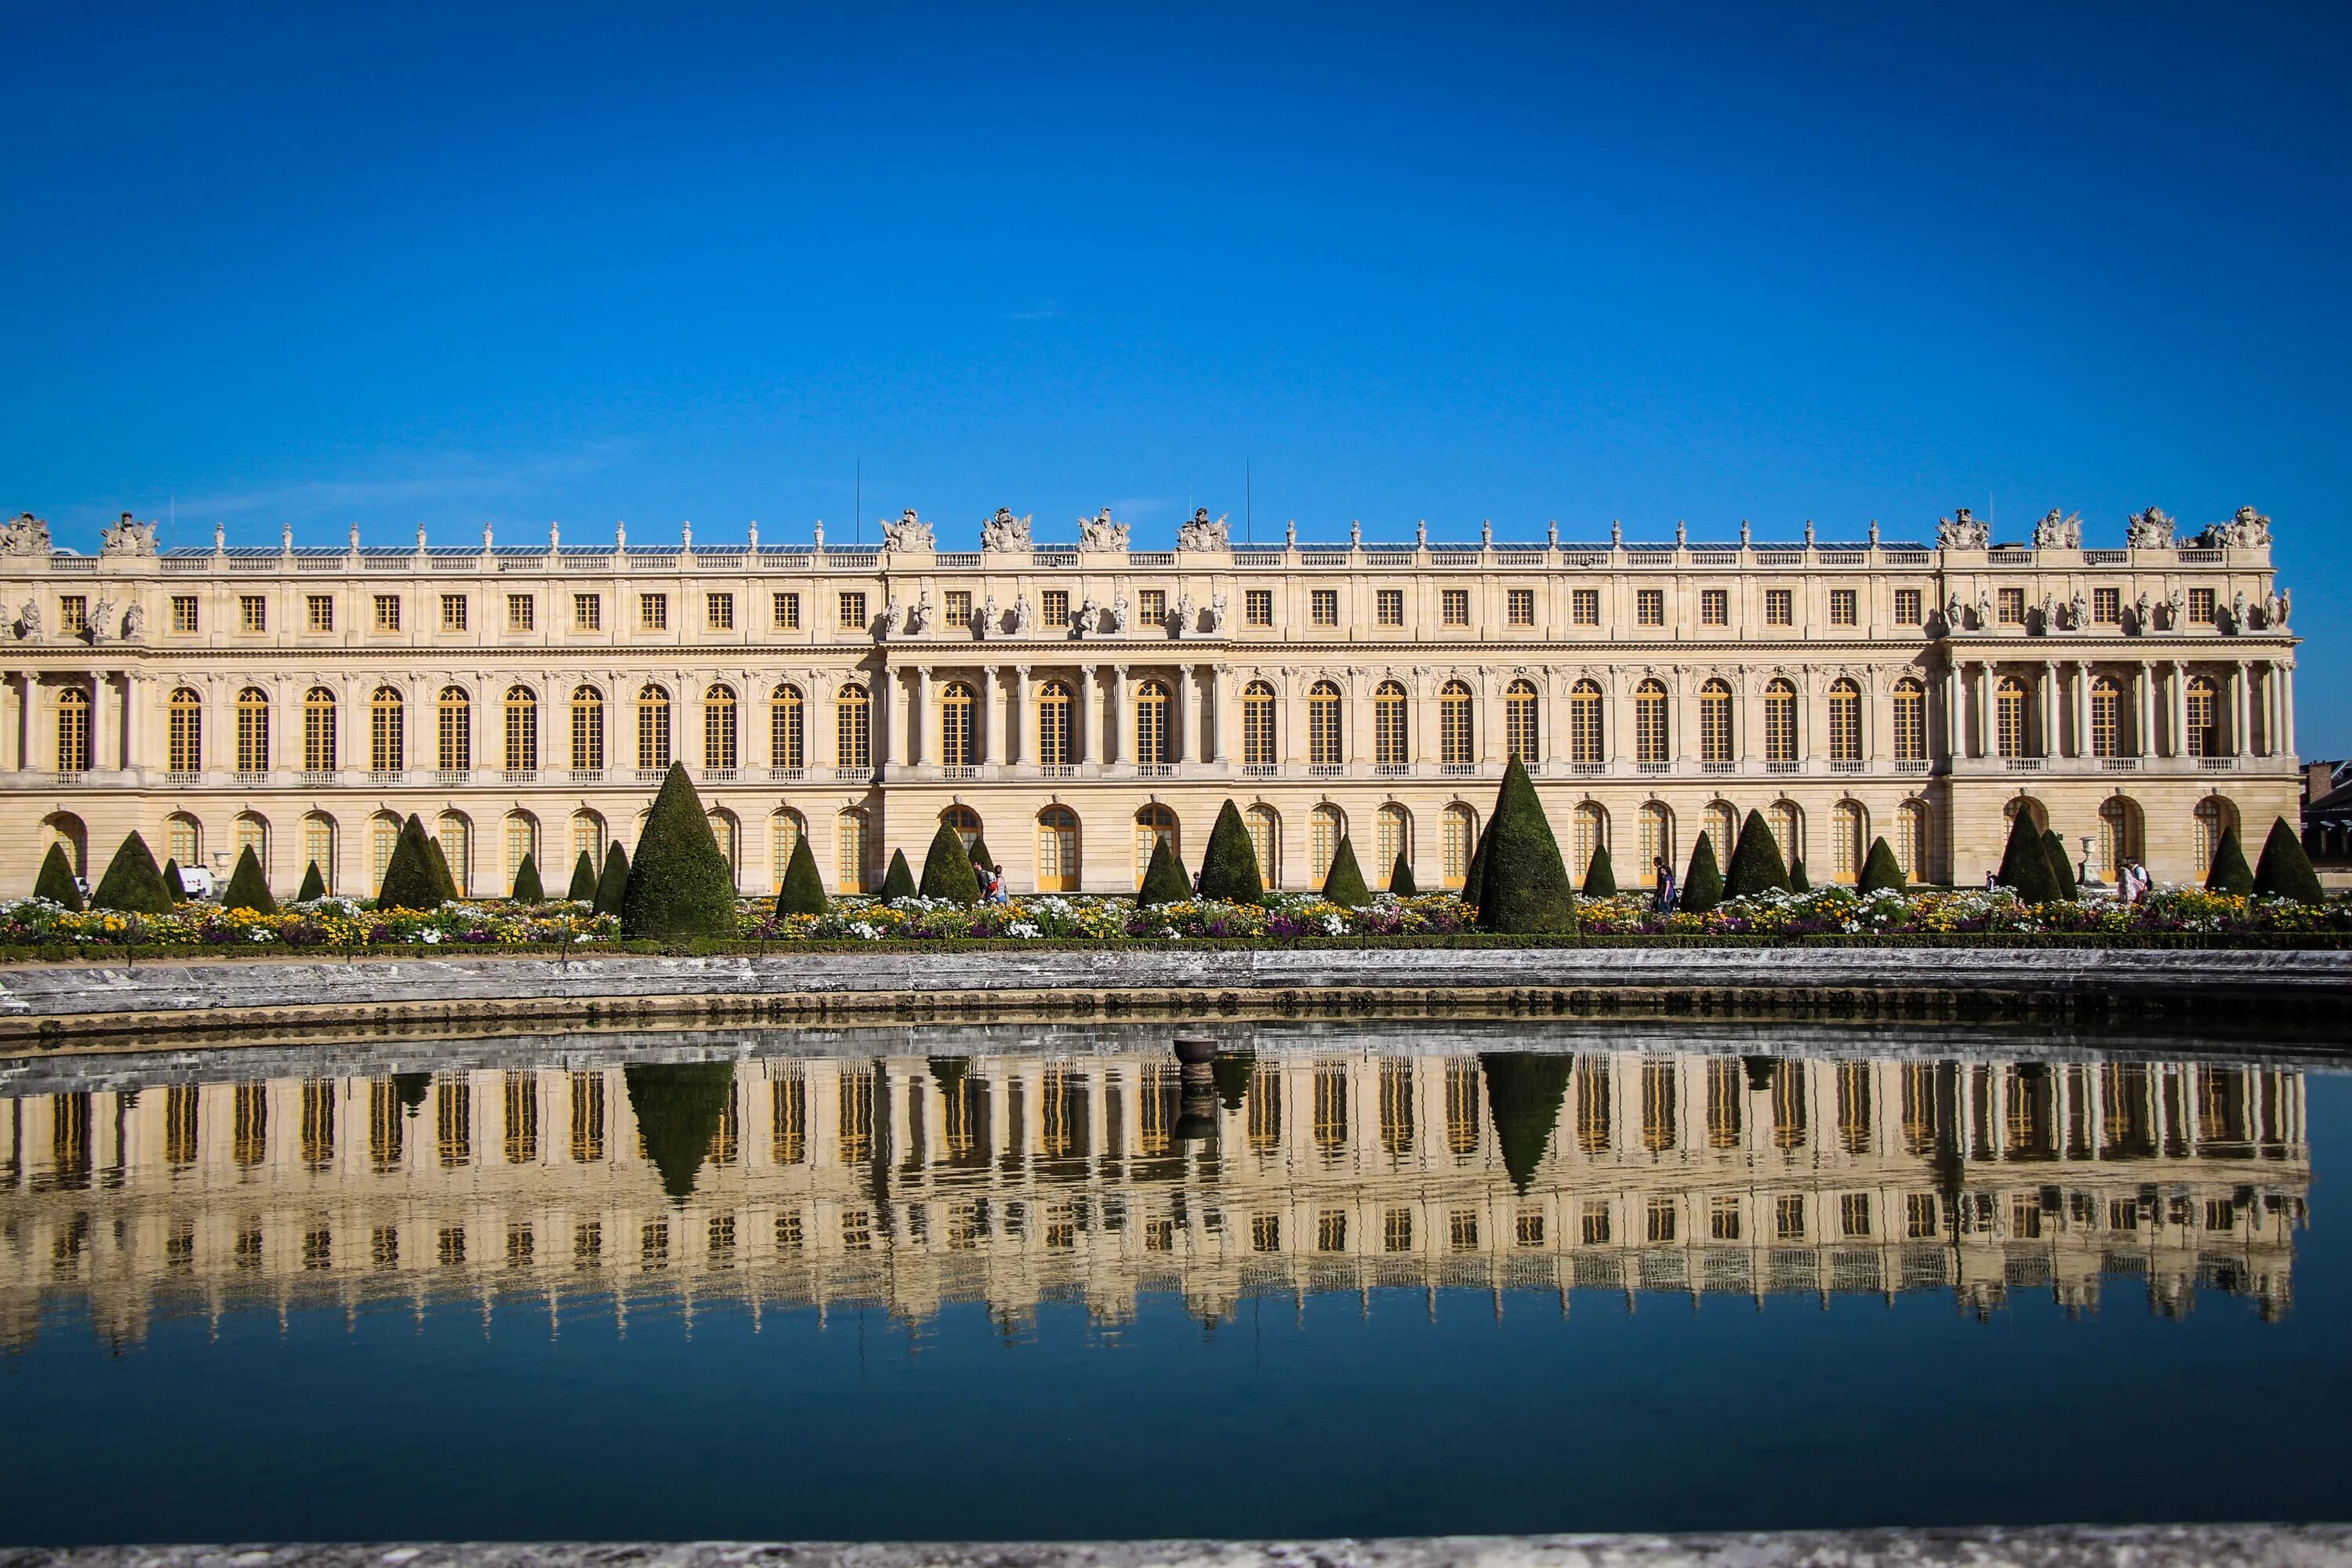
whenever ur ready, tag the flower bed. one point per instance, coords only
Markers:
(340, 923)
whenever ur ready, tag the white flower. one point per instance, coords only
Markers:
(428, 935)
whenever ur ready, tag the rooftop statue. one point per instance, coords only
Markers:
(1200, 533)
(1963, 532)
(909, 533)
(1003, 530)
(127, 538)
(23, 534)
(2250, 530)
(1100, 532)
(2149, 529)
(2057, 532)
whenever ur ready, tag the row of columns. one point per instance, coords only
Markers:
(2254, 690)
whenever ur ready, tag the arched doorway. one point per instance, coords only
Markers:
(1058, 850)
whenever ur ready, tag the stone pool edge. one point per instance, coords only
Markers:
(2061, 1546)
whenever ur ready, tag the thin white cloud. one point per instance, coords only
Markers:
(439, 479)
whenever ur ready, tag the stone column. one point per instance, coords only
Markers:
(1180, 716)
(919, 715)
(1116, 744)
(878, 721)
(2286, 707)
(1018, 720)
(1226, 742)
(2082, 708)
(2177, 711)
(21, 683)
(1682, 733)
(1980, 704)
(1083, 716)
(991, 689)
(97, 737)
(2049, 706)
(1954, 735)
(2144, 711)
(2241, 712)
(134, 714)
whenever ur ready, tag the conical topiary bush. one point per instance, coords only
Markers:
(898, 882)
(1474, 876)
(2061, 869)
(410, 881)
(980, 852)
(1599, 875)
(1525, 1091)
(56, 880)
(947, 868)
(678, 1107)
(1525, 887)
(803, 891)
(1703, 883)
(1344, 883)
(173, 883)
(612, 880)
(131, 882)
(1401, 883)
(2284, 871)
(436, 861)
(1798, 882)
(1879, 870)
(314, 886)
(1229, 869)
(2025, 863)
(2230, 873)
(247, 888)
(527, 889)
(583, 879)
(1756, 863)
(1164, 881)
(679, 884)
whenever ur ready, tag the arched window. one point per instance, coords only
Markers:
(68, 833)
(1393, 839)
(853, 742)
(185, 732)
(1722, 831)
(785, 831)
(1460, 842)
(319, 845)
(1257, 725)
(457, 836)
(853, 854)
(730, 839)
(522, 730)
(966, 823)
(787, 743)
(1391, 747)
(387, 731)
(183, 840)
(1780, 721)
(958, 746)
(587, 729)
(73, 731)
(1847, 826)
(2032, 808)
(2204, 714)
(1650, 722)
(1154, 824)
(1058, 850)
(1845, 722)
(1789, 826)
(1911, 838)
(383, 836)
(718, 748)
(587, 839)
(1153, 735)
(318, 731)
(1587, 834)
(1265, 838)
(1585, 743)
(1714, 740)
(2214, 814)
(2106, 717)
(1325, 827)
(455, 730)
(1522, 727)
(1325, 747)
(1056, 714)
(1457, 736)
(1657, 841)
(653, 729)
(253, 832)
(1910, 720)
(252, 731)
(2119, 837)
(2009, 713)
(522, 838)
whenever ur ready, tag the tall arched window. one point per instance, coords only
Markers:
(1650, 722)
(853, 737)
(588, 838)
(318, 730)
(252, 731)
(959, 748)
(1587, 834)
(522, 838)
(1847, 826)
(1585, 743)
(653, 729)
(1789, 828)
(186, 733)
(522, 730)
(387, 731)
(787, 739)
(2009, 712)
(1522, 731)
(1459, 843)
(1722, 830)
(1154, 825)
(1714, 740)
(1325, 827)
(785, 831)
(2106, 717)
(1780, 722)
(2213, 815)
(455, 730)
(2204, 713)
(1910, 720)
(725, 834)
(853, 853)
(1056, 716)
(1911, 838)
(1457, 736)
(457, 836)
(587, 729)
(1058, 850)
(183, 840)
(720, 753)
(319, 846)
(253, 832)
(1154, 735)
(383, 836)
(1393, 840)
(2119, 837)
(1845, 722)
(1324, 740)
(1257, 725)
(1266, 839)
(73, 731)
(1657, 841)
(1391, 747)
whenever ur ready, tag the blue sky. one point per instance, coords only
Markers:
(323, 266)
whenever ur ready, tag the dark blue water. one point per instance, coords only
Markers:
(218, 1349)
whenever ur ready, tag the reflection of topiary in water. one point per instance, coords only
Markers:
(678, 1107)
(1525, 1091)
(948, 1073)
(411, 1088)
(1231, 1071)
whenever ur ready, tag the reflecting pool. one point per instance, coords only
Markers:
(1013, 1281)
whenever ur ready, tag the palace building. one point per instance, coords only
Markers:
(1072, 702)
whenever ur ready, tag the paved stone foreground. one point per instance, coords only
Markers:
(2166, 1546)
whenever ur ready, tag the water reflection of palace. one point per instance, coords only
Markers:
(1015, 1179)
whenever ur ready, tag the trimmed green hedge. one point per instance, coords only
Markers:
(2284, 871)
(131, 883)
(1229, 868)
(527, 889)
(802, 893)
(409, 879)
(2061, 869)
(1881, 871)
(1756, 863)
(1164, 881)
(55, 882)
(1345, 884)
(314, 886)
(583, 879)
(1703, 883)
(247, 888)
(2230, 873)
(680, 885)
(2025, 862)
(1526, 886)
(612, 880)
(1401, 880)
(898, 882)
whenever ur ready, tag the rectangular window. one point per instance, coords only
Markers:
(1844, 607)
(252, 612)
(2200, 606)
(786, 612)
(1454, 606)
(719, 612)
(183, 612)
(453, 612)
(1789, 1217)
(1323, 606)
(1584, 607)
(522, 612)
(387, 612)
(73, 614)
(1723, 1219)
(1920, 1216)
(1257, 608)
(1779, 608)
(2010, 610)
(1649, 606)
(1714, 606)
(1854, 1213)
(1907, 607)
(653, 612)
(1520, 606)
(1054, 607)
(320, 609)
(1388, 606)
(2107, 606)
(959, 608)
(1150, 606)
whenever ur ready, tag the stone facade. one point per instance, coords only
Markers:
(1070, 701)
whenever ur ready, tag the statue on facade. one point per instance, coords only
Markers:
(2078, 613)
(1179, 619)
(983, 620)
(2250, 530)
(1616, 534)
(1200, 533)
(29, 621)
(1551, 535)
(1082, 619)
(1681, 533)
(1003, 530)
(2149, 529)
(101, 620)
(23, 534)
(909, 532)
(2049, 614)
(2238, 612)
(1421, 534)
(2058, 533)
(2175, 611)
(2142, 609)
(1115, 618)
(1984, 609)
(127, 537)
(1214, 621)
(1809, 533)
(1017, 622)
(1355, 534)
(134, 623)
(1955, 616)
(1963, 532)
(1745, 534)
(1873, 533)
(918, 616)
(2280, 607)
(1099, 533)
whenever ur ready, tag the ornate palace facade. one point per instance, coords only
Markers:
(1071, 702)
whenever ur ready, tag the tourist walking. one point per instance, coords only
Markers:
(1665, 885)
